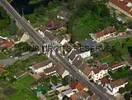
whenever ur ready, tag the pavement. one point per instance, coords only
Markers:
(54, 56)
(10, 61)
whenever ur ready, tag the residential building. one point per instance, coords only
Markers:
(105, 34)
(89, 45)
(114, 86)
(87, 70)
(78, 61)
(99, 72)
(81, 95)
(122, 6)
(2, 70)
(60, 69)
(73, 54)
(118, 66)
(46, 67)
(6, 43)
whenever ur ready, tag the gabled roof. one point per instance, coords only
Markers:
(86, 69)
(78, 61)
(4, 44)
(105, 80)
(99, 68)
(54, 24)
(116, 65)
(77, 86)
(59, 69)
(72, 54)
(2, 70)
(81, 95)
(42, 64)
(48, 70)
(116, 83)
(106, 31)
(125, 5)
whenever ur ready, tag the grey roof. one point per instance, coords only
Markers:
(89, 43)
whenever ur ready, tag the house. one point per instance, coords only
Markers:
(117, 66)
(81, 91)
(76, 53)
(6, 44)
(63, 14)
(85, 54)
(63, 39)
(94, 97)
(61, 70)
(46, 67)
(105, 34)
(48, 34)
(114, 86)
(89, 45)
(122, 6)
(104, 80)
(87, 70)
(66, 92)
(81, 95)
(54, 24)
(77, 61)
(99, 72)
(2, 70)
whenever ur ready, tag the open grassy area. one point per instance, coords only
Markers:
(107, 59)
(116, 51)
(122, 46)
(121, 73)
(23, 91)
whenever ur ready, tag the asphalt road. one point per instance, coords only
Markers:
(80, 76)
(10, 61)
(56, 58)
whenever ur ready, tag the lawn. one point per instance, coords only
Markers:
(107, 59)
(122, 47)
(23, 91)
(121, 73)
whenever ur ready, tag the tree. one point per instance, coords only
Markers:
(127, 96)
(65, 98)
(121, 90)
(67, 80)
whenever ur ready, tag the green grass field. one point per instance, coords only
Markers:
(23, 91)
(121, 73)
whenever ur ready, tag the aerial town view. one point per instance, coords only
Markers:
(65, 49)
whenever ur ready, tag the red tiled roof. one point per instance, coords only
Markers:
(99, 68)
(54, 24)
(86, 69)
(2, 70)
(116, 83)
(105, 80)
(79, 95)
(116, 65)
(42, 64)
(106, 31)
(123, 4)
(78, 86)
(6, 44)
